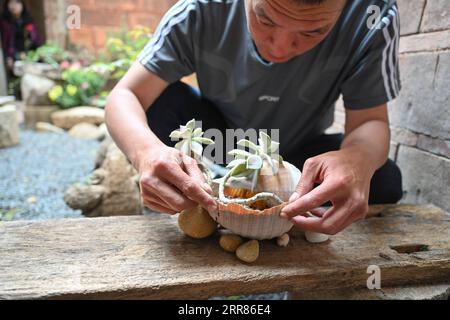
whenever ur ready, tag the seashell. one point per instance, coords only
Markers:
(255, 223)
(283, 241)
(314, 237)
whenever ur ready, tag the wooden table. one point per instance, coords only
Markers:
(147, 257)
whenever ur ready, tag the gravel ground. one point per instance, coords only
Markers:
(35, 174)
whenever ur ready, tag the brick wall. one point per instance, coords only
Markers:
(98, 17)
(420, 117)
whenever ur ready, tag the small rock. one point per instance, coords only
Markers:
(6, 100)
(67, 119)
(117, 194)
(103, 132)
(32, 200)
(48, 127)
(283, 241)
(249, 251)
(197, 223)
(37, 69)
(35, 90)
(85, 131)
(9, 127)
(35, 114)
(84, 197)
(314, 237)
(230, 242)
(98, 176)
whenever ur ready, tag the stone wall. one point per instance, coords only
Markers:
(99, 17)
(420, 117)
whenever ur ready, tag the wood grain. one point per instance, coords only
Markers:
(147, 257)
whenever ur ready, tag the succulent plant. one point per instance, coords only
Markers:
(249, 165)
(192, 140)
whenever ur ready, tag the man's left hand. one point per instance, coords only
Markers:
(344, 178)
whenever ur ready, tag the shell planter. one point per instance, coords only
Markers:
(250, 196)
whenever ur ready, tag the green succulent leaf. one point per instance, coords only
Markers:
(240, 153)
(235, 163)
(254, 162)
(240, 170)
(201, 140)
(197, 148)
(274, 146)
(248, 144)
(191, 125)
(197, 132)
(175, 135)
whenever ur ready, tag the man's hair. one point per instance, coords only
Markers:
(308, 2)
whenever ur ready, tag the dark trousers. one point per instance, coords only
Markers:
(180, 103)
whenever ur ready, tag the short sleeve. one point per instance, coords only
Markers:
(169, 54)
(375, 79)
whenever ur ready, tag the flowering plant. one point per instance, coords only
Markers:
(80, 86)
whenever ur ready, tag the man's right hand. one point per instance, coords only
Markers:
(172, 182)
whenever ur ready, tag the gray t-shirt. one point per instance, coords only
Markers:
(297, 97)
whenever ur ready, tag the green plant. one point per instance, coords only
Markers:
(79, 87)
(48, 53)
(8, 214)
(249, 165)
(123, 48)
(86, 85)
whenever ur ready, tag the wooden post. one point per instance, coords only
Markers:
(55, 22)
(3, 81)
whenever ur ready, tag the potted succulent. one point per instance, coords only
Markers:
(250, 196)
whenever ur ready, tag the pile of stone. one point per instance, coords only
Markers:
(39, 113)
(113, 187)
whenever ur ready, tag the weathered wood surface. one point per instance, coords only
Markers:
(420, 292)
(148, 257)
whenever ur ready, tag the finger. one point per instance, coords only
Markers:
(156, 207)
(312, 200)
(333, 221)
(167, 195)
(319, 212)
(310, 172)
(188, 186)
(192, 169)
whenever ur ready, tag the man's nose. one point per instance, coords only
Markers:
(282, 43)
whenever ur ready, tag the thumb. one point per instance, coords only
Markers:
(307, 180)
(192, 169)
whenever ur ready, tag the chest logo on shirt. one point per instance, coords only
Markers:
(269, 98)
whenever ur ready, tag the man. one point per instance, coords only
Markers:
(268, 64)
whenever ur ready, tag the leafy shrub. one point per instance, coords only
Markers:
(79, 86)
(85, 85)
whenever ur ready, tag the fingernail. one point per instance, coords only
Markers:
(294, 197)
(207, 188)
(213, 208)
(284, 215)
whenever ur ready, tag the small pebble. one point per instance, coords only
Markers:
(230, 242)
(283, 241)
(249, 251)
(314, 237)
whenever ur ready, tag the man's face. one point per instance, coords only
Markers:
(282, 29)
